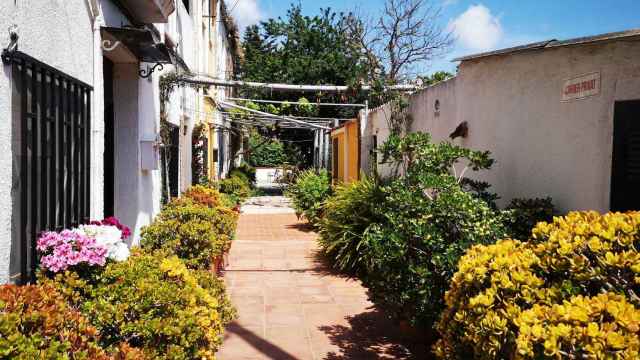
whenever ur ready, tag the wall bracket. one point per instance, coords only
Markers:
(13, 44)
(145, 73)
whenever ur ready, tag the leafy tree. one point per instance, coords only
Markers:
(301, 49)
(436, 77)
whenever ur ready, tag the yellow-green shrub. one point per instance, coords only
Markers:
(37, 323)
(235, 186)
(195, 233)
(518, 300)
(204, 195)
(154, 303)
(600, 327)
(593, 251)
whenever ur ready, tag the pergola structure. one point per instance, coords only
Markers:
(321, 127)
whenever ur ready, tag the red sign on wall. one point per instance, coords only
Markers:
(581, 87)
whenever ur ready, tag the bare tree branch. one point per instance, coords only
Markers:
(405, 35)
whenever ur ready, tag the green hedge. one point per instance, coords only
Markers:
(197, 232)
(160, 303)
(308, 192)
(569, 292)
(404, 237)
(153, 303)
(36, 323)
(350, 214)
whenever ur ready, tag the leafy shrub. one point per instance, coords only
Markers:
(154, 303)
(239, 175)
(265, 152)
(348, 215)
(244, 171)
(308, 193)
(570, 292)
(524, 214)
(204, 195)
(236, 187)
(602, 327)
(428, 221)
(230, 201)
(416, 249)
(37, 323)
(195, 233)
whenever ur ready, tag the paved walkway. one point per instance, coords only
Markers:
(290, 306)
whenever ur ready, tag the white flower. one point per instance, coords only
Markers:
(105, 235)
(108, 236)
(120, 252)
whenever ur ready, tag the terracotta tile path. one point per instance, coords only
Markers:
(291, 307)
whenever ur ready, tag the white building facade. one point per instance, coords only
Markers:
(559, 117)
(80, 84)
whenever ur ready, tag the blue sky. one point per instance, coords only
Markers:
(482, 25)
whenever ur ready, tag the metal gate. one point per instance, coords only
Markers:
(52, 143)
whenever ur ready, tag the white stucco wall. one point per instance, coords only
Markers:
(149, 181)
(376, 124)
(542, 146)
(184, 101)
(126, 134)
(58, 33)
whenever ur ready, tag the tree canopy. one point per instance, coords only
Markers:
(300, 49)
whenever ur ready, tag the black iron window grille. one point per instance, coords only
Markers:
(51, 132)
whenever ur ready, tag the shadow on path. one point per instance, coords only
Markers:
(304, 227)
(372, 336)
(267, 348)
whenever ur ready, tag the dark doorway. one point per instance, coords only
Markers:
(174, 161)
(109, 139)
(625, 179)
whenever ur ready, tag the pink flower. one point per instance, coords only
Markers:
(47, 240)
(67, 249)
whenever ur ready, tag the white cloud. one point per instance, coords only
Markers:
(245, 12)
(477, 29)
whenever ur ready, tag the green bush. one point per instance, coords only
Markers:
(570, 292)
(236, 187)
(37, 323)
(245, 171)
(308, 193)
(154, 303)
(195, 233)
(265, 152)
(415, 250)
(348, 216)
(204, 195)
(404, 238)
(524, 214)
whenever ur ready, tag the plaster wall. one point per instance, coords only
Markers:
(149, 180)
(542, 146)
(222, 55)
(184, 102)
(58, 33)
(376, 124)
(126, 134)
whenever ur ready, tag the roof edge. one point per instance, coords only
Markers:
(552, 43)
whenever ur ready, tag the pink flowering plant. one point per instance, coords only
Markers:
(69, 250)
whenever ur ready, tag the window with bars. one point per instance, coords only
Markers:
(51, 143)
